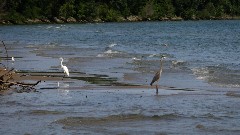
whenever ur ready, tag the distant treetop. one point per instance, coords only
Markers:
(20, 11)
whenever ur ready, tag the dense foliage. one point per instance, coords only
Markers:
(117, 10)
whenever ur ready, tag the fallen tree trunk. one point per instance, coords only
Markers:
(7, 81)
(8, 78)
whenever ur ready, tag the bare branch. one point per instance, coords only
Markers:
(6, 52)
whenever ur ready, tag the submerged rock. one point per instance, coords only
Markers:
(233, 94)
(71, 20)
(45, 112)
(200, 126)
(55, 19)
(31, 21)
(134, 18)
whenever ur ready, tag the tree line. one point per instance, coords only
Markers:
(18, 11)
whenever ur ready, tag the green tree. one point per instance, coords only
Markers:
(163, 8)
(67, 9)
(112, 16)
(17, 11)
(219, 11)
(86, 11)
(187, 9)
(211, 9)
(102, 11)
(135, 6)
(148, 10)
(121, 6)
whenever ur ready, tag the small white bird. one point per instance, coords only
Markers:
(65, 69)
(13, 59)
(134, 58)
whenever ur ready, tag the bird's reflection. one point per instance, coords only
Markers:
(63, 89)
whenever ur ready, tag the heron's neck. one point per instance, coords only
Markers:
(161, 65)
(61, 63)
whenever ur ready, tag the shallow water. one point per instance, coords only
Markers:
(113, 111)
(199, 86)
(207, 49)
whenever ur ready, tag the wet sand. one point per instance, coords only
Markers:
(96, 82)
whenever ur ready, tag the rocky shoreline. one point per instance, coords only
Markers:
(133, 18)
(60, 20)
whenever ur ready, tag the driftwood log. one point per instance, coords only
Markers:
(8, 79)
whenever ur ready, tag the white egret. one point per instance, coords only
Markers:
(13, 59)
(157, 76)
(65, 69)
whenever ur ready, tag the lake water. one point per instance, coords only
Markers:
(199, 86)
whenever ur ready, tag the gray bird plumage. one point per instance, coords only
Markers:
(157, 76)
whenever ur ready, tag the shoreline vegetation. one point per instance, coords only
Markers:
(71, 20)
(98, 11)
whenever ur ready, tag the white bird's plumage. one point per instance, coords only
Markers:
(13, 59)
(65, 69)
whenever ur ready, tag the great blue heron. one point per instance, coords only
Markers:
(157, 76)
(65, 69)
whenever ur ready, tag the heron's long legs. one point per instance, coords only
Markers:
(156, 89)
